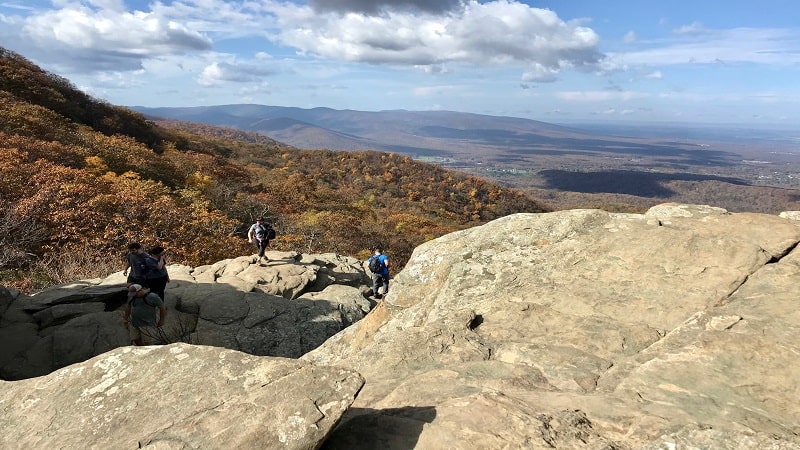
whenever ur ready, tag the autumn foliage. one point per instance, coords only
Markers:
(80, 179)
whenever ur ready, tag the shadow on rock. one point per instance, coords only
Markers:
(379, 429)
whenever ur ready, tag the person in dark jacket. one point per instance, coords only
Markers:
(157, 277)
(135, 261)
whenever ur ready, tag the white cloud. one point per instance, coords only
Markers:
(738, 45)
(692, 28)
(629, 37)
(540, 74)
(89, 35)
(221, 72)
(585, 96)
(655, 75)
(85, 39)
(599, 96)
(433, 69)
(379, 6)
(497, 32)
(428, 91)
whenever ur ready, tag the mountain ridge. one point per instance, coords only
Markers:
(387, 130)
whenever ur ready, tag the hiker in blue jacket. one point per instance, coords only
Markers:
(379, 265)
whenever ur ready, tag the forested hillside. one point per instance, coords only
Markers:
(80, 179)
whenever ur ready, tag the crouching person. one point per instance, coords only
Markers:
(140, 316)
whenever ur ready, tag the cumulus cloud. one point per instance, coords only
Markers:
(372, 7)
(496, 32)
(433, 36)
(93, 35)
(100, 35)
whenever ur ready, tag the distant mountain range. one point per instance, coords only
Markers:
(466, 139)
(602, 165)
(415, 133)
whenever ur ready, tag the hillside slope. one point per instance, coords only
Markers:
(80, 178)
(611, 167)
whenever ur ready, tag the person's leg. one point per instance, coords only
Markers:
(135, 334)
(159, 285)
(376, 284)
(151, 336)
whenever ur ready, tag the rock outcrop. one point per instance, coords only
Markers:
(285, 308)
(177, 396)
(679, 328)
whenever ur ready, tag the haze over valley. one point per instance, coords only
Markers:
(625, 166)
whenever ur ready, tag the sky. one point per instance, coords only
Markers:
(559, 61)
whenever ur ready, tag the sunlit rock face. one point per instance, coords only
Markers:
(284, 308)
(678, 328)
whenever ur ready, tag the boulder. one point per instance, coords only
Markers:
(174, 397)
(678, 328)
(284, 308)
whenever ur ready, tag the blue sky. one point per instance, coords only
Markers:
(701, 61)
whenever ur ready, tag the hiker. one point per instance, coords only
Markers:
(135, 261)
(260, 234)
(379, 264)
(140, 315)
(157, 276)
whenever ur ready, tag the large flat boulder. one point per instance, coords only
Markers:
(176, 397)
(678, 328)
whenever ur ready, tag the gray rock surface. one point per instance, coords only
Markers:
(177, 396)
(284, 308)
(675, 329)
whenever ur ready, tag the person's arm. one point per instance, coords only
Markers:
(250, 234)
(162, 309)
(151, 263)
(162, 261)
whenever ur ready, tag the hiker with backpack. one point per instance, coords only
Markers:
(156, 275)
(378, 264)
(140, 316)
(135, 261)
(260, 233)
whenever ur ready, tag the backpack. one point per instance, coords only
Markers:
(265, 232)
(144, 269)
(375, 265)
